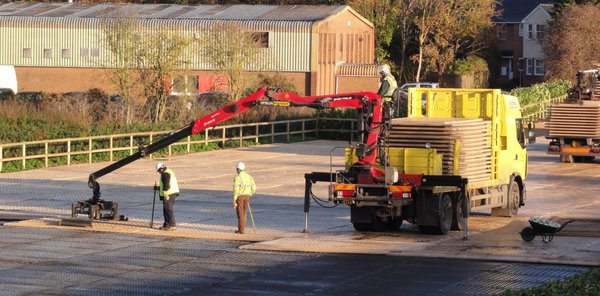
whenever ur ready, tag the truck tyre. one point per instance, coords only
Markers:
(445, 214)
(458, 218)
(363, 226)
(514, 201)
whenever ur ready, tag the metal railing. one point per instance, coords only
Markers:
(540, 110)
(89, 149)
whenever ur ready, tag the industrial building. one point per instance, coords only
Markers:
(56, 47)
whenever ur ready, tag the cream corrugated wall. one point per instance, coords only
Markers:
(289, 42)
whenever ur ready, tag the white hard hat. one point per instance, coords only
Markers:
(159, 166)
(383, 68)
(240, 166)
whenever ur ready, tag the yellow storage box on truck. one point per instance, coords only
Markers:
(458, 150)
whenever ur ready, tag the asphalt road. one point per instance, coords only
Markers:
(204, 257)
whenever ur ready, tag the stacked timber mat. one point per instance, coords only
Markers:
(472, 135)
(575, 120)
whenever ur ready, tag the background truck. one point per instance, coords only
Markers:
(574, 126)
(465, 151)
(8, 81)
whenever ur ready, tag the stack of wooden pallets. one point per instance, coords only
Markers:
(472, 135)
(575, 120)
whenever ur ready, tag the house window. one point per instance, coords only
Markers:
(529, 67)
(95, 52)
(27, 53)
(48, 53)
(530, 31)
(502, 32)
(65, 53)
(539, 67)
(521, 25)
(539, 31)
(84, 52)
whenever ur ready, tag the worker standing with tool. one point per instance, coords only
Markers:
(168, 190)
(386, 90)
(243, 188)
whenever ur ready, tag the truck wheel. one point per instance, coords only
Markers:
(514, 198)
(458, 217)
(445, 215)
(363, 226)
(513, 195)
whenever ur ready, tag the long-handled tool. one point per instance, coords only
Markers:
(153, 203)
(251, 216)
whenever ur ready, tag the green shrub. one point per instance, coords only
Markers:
(586, 283)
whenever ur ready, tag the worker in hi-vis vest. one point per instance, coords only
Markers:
(168, 190)
(386, 90)
(243, 188)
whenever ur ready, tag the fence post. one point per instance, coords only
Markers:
(288, 131)
(241, 137)
(189, 138)
(223, 137)
(317, 127)
(46, 154)
(256, 133)
(303, 128)
(90, 150)
(110, 146)
(69, 152)
(351, 131)
(150, 156)
(1, 155)
(272, 133)
(24, 154)
(206, 137)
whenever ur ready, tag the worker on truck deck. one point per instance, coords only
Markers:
(168, 190)
(387, 87)
(243, 188)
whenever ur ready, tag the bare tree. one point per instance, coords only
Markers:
(160, 57)
(427, 19)
(118, 39)
(572, 42)
(234, 51)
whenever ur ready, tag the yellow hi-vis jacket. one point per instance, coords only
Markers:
(388, 86)
(243, 184)
(172, 186)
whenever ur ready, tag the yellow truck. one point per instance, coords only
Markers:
(459, 150)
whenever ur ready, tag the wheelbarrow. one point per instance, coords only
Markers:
(544, 227)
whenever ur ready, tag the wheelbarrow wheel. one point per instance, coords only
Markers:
(527, 234)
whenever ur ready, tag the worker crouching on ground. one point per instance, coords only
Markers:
(243, 188)
(168, 190)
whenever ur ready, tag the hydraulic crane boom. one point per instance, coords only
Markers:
(370, 118)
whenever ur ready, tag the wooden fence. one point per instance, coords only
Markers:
(86, 149)
(66, 150)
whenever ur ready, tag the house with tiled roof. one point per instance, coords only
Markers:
(521, 26)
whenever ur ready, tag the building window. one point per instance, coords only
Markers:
(539, 31)
(539, 67)
(84, 52)
(48, 53)
(502, 32)
(529, 67)
(260, 39)
(530, 31)
(65, 53)
(95, 52)
(27, 53)
(521, 25)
